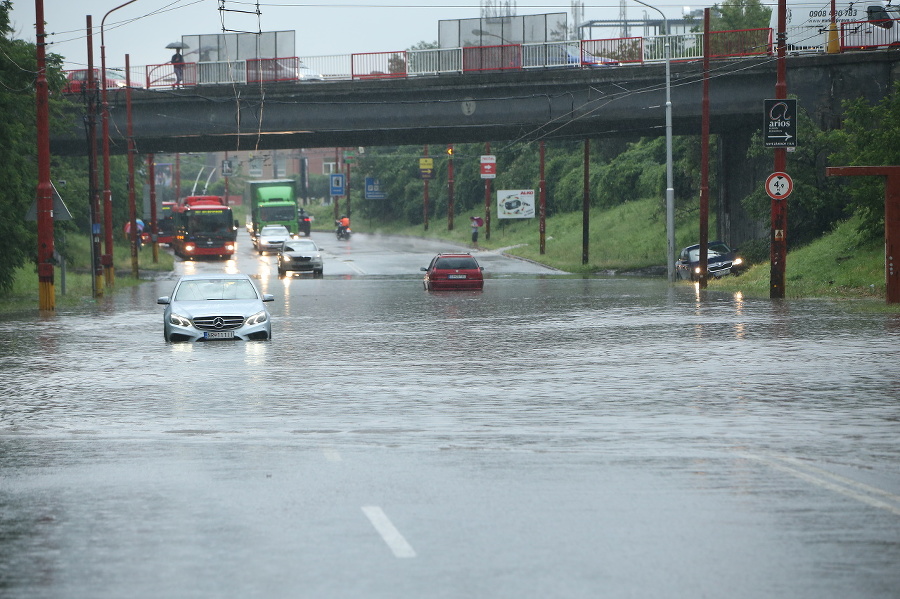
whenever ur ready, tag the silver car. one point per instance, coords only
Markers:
(271, 237)
(300, 255)
(210, 307)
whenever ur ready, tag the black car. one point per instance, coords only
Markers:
(721, 261)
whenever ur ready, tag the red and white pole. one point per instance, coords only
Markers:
(46, 291)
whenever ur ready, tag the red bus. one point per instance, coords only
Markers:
(165, 225)
(204, 226)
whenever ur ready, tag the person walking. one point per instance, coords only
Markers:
(178, 65)
(475, 223)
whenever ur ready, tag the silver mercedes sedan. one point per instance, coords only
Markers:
(212, 307)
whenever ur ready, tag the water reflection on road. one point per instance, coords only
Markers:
(550, 436)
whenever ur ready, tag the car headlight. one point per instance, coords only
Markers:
(178, 320)
(229, 246)
(737, 261)
(258, 318)
(189, 247)
(697, 270)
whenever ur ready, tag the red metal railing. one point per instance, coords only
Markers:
(378, 65)
(862, 35)
(167, 75)
(492, 58)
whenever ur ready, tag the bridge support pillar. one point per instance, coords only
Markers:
(738, 177)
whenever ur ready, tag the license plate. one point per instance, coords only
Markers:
(456, 276)
(218, 334)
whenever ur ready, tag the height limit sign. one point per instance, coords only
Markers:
(780, 125)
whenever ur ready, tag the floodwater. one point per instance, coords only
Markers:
(551, 436)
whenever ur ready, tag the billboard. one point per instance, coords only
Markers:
(518, 203)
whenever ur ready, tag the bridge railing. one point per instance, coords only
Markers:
(569, 53)
(222, 71)
(333, 67)
(492, 58)
(379, 65)
(435, 61)
(612, 51)
(260, 70)
(742, 42)
(863, 35)
(165, 75)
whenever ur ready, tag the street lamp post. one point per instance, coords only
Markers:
(107, 192)
(670, 184)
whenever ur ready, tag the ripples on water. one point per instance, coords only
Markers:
(555, 357)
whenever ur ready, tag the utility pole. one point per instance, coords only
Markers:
(487, 199)
(46, 291)
(94, 191)
(586, 204)
(154, 217)
(425, 199)
(132, 209)
(703, 279)
(778, 238)
(450, 200)
(542, 226)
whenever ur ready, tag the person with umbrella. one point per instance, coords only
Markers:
(476, 222)
(178, 62)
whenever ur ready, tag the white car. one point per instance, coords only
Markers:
(218, 306)
(300, 255)
(271, 238)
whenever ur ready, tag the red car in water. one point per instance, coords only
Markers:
(453, 272)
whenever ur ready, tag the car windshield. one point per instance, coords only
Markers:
(455, 263)
(276, 230)
(301, 246)
(714, 250)
(215, 289)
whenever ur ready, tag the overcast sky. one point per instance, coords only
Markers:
(143, 28)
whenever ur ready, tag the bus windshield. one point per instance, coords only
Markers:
(209, 221)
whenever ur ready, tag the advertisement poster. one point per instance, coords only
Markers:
(515, 203)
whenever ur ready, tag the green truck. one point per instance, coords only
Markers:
(272, 202)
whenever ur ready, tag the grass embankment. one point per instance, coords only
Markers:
(23, 296)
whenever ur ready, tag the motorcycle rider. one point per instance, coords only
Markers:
(343, 225)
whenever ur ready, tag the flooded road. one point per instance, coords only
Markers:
(551, 436)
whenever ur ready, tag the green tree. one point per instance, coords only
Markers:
(733, 15)
(868, 137)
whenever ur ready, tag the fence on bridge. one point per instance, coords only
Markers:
(561, 54)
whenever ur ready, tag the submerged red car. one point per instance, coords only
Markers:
(452, 272)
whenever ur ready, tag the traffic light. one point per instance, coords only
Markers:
(449, 150)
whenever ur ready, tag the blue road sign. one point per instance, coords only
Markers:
(337, 184)
(373, 189)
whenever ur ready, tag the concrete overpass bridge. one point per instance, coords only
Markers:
(522, 105)
(496, 106)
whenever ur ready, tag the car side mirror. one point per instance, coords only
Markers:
(268, 297)
(162, 300)
(424, 269)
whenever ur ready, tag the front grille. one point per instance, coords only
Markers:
(301, 259)
(218, 323)
(720, 266)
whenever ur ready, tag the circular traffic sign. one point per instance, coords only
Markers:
(779, 186)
